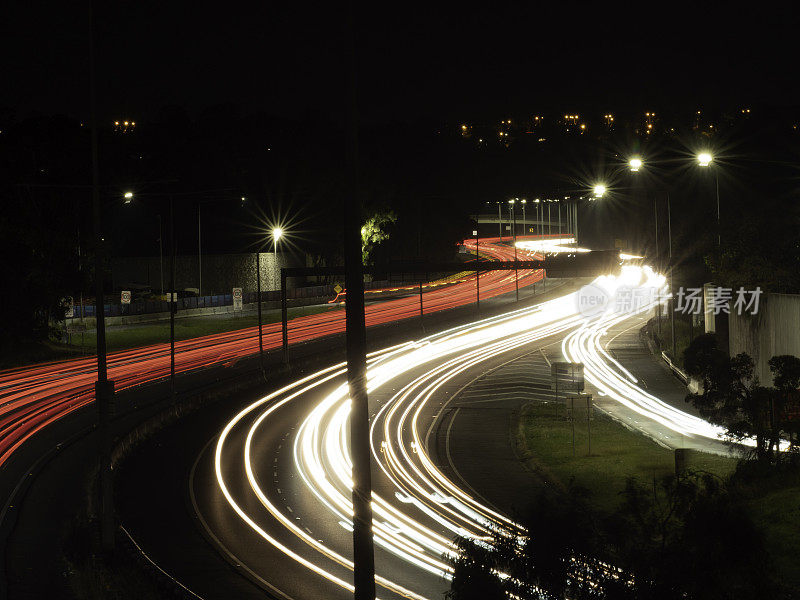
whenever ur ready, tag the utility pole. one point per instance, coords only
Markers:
(258, 310)
(199, 254)
(104, 387)
(514, 241)
(356, 333)
(477, 274)
(173, 306)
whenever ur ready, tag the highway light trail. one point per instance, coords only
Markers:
(33, 397)
(417, 509)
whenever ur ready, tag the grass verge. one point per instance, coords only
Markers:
(618, 453)
(132, 336)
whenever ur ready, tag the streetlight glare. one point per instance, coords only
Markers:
(635, 164)
(277, 232)
(128, 197)
(704, 159)
(599, 190)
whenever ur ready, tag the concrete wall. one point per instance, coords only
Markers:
(774, 330)
(221, 272)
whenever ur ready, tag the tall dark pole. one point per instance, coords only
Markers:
(514, 241)
(160, 254)
(500, 219)
(477, 274)
(363, 551)
(173, 306)
(104, 387)
(671, 282)
(258, 310)
(719, 224)
(655, 217)
(199, 254)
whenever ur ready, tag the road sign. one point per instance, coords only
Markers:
(69, 306)
(475, 232)
(337, 288)
(567, 376)
(125, 297)
(579, 405)
(237, 298)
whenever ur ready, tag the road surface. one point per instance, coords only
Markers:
(272, 490)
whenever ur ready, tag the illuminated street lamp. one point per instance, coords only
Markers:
(128, 197)
(599, 190)
(635, 164)
(704, 159)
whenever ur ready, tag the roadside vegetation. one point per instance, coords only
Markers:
(725, 527)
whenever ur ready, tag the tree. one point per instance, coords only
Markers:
(786, 378)
(687, 537)
(374, 231)
(731, 396)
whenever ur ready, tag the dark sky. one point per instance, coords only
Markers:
(448, 62)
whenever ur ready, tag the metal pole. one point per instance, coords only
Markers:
(356, 334)
(173, 307)
(516, 271)
(719, 225)
(576, 223)
(655, 216)
(284, 320)
(104, 388)
(589, 422)
(477, 274)
(559, 218)
(549, 221)
(669, 226)
(421, 308)
(500, 219)
(258, 310)
(671, 286)
(161, 253)
(199, 255)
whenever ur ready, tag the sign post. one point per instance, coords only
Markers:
(237, 299)
(125, 297)
(576, 403)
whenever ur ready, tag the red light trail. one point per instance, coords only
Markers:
(33, 397)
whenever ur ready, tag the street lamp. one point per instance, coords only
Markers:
(704, 159)
(599, 190)
(128, 197)
(635, 164)
(514, 242)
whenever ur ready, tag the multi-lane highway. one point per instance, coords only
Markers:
(273, 488)
(33, 397)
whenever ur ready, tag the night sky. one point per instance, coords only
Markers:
(415, 61)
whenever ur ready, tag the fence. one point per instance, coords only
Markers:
(145, 307)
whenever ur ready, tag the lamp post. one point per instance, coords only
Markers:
(704, 159)
(524, 222)
(635, 165)
(514, 241)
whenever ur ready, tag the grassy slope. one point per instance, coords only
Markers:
(618, 453)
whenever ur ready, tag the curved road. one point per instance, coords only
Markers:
(272, 490)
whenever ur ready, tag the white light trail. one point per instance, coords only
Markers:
(424, 510)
